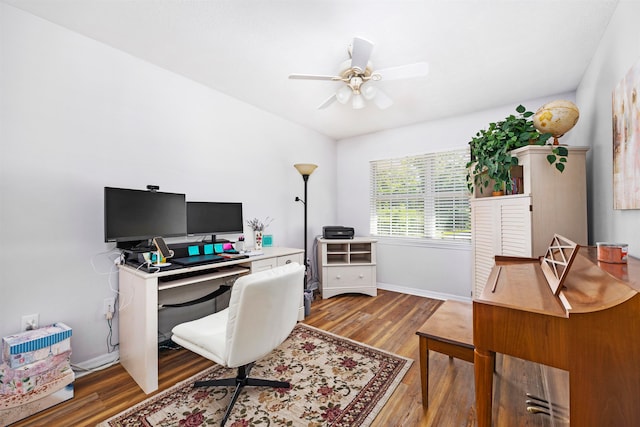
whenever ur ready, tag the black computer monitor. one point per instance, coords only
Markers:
(211, 218)
(132, 217)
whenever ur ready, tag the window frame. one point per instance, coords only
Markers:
(427, 194)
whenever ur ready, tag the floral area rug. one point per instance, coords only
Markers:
(334, 382)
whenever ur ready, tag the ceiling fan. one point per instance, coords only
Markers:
(357, 73)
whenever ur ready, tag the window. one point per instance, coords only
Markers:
(422, 197)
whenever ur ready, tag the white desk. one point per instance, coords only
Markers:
(138, 305)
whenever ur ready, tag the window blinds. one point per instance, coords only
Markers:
(423, 196)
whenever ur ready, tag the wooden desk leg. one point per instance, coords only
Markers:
(484, 363)
(424, 371)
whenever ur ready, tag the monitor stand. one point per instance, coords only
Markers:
(215, 240)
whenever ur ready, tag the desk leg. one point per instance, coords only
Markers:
(424, 371)
(484, 364)
(138, 328)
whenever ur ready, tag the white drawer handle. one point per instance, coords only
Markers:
(338, 276)
(361, 276)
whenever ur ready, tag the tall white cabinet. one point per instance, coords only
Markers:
(347, 266)
(523, 224)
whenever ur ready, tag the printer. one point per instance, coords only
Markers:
(337, 232)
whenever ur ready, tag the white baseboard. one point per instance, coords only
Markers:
(421, 292)
(96, 364)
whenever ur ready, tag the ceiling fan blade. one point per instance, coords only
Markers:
(419, 69)
(328, 102)
(382, 100)
(360, 53)
(312, 77)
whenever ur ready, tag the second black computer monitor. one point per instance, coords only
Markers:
(213, 218)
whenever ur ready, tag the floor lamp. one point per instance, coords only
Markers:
(305, 170)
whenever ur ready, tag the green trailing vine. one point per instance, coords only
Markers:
(558, 156)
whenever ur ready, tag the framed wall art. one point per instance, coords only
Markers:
(626, 141)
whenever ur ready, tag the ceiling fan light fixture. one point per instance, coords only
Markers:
(369, 92)
(343, 94)
(358, 102)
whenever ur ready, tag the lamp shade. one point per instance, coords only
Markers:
(305, 168)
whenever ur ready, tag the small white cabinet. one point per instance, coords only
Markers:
(347, 266)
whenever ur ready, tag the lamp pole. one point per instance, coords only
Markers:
(305, 170)
(305, 178)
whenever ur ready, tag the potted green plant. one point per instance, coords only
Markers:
(491, 158)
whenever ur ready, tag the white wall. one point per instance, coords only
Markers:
(77, 115)
(408, 266)
(618, 51)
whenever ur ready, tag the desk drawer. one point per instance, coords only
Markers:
(263, 264)
(284, 260)
(350, 276)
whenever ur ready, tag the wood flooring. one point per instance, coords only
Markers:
(388, 321)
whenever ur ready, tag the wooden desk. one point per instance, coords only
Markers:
(138, 305)
(448, 331)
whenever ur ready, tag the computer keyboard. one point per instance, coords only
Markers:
(198, 259)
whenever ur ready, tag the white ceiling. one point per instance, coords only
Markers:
(482, 53)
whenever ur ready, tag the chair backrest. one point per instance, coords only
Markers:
(263, 309)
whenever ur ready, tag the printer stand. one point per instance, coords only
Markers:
(347, 266)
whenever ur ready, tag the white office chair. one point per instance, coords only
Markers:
(263, 309)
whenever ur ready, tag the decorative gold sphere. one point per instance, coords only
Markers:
(556, 118)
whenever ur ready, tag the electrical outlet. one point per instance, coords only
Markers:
(29, 322)
(109, 307)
